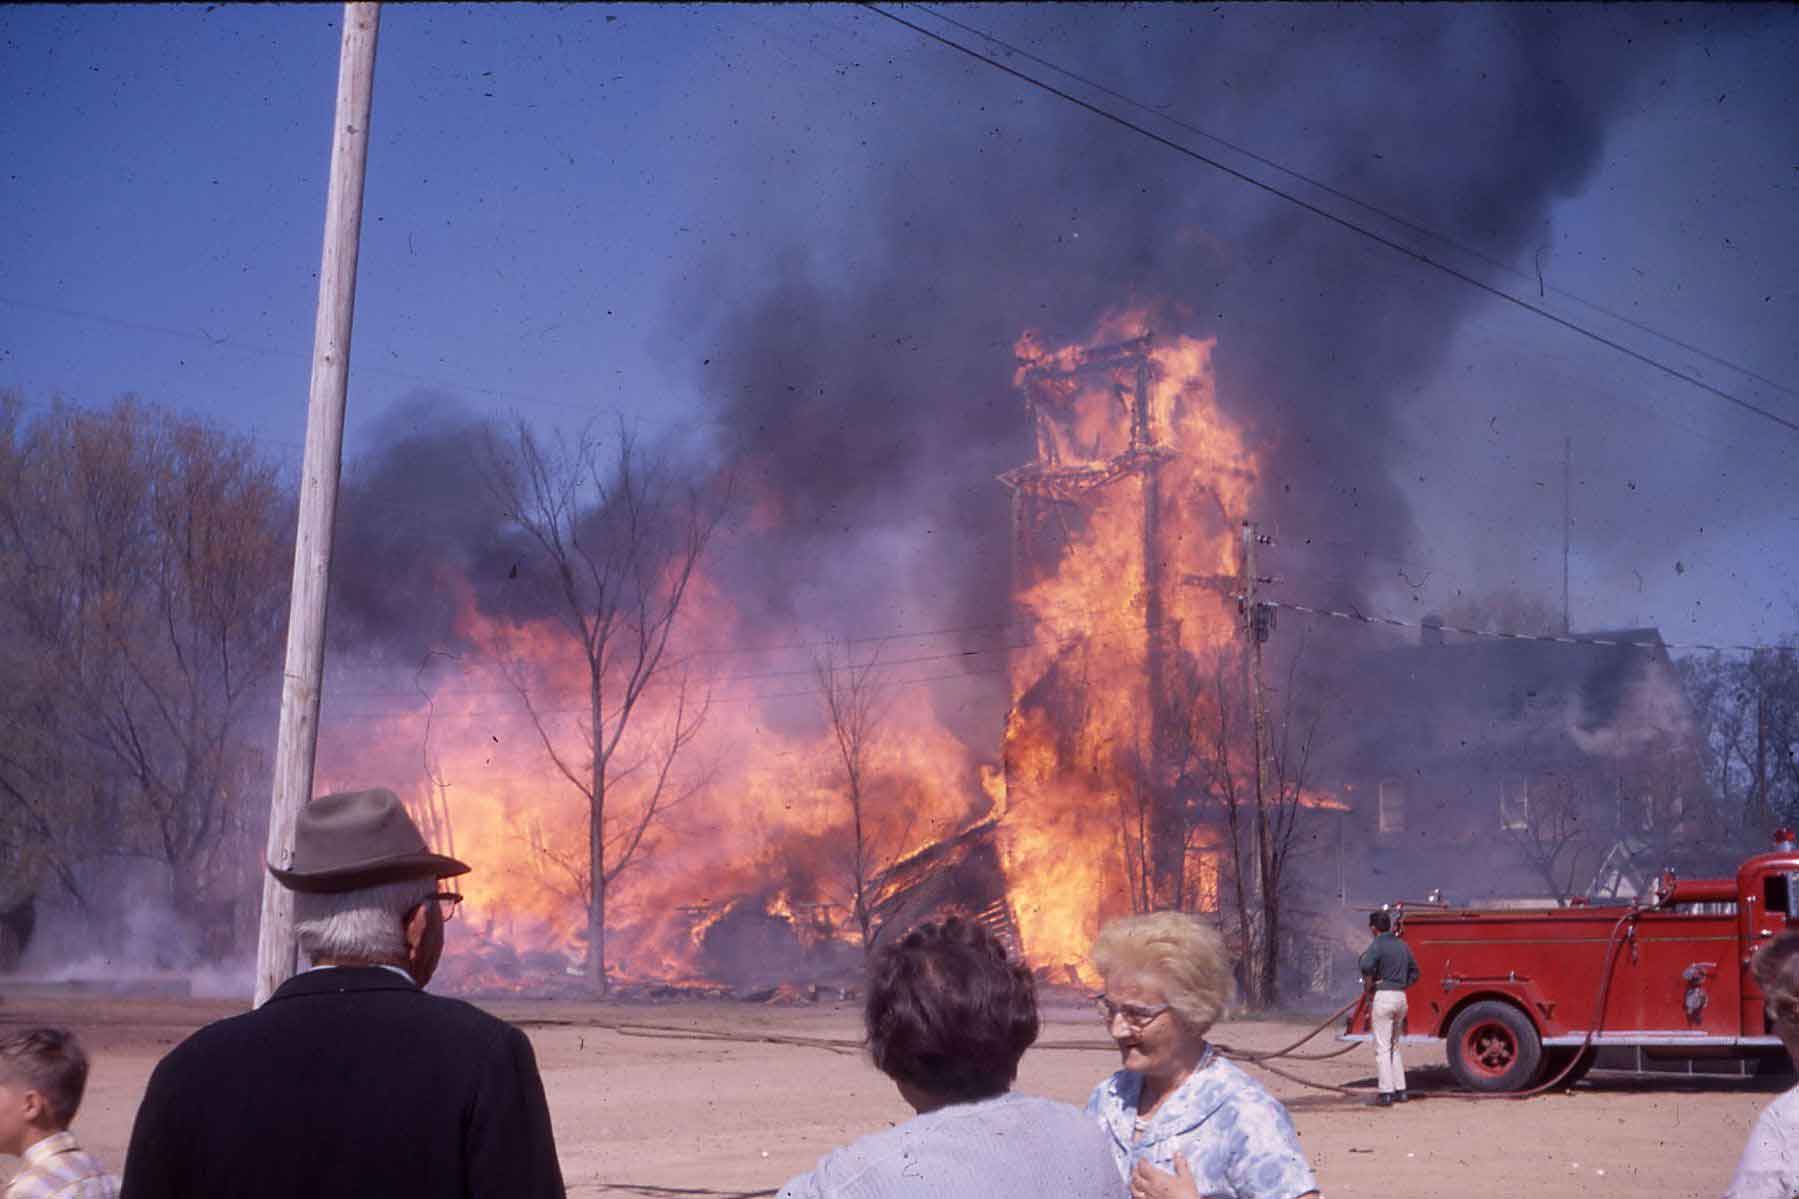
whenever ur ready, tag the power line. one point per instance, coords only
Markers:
(1398, 247)
(1305, 609)
(735, 678)
(801, 693)
(1346, 197)
(90, 409)
(1556, 639)
(1095, 634)
(245, 347)
(760, 697)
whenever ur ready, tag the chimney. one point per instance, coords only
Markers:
(1430, 632)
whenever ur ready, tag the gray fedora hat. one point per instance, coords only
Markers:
(358, 839)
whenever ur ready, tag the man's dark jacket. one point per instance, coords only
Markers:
(348, 1081)
(1389, 962)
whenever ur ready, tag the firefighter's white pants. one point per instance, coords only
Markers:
(1388, 1024)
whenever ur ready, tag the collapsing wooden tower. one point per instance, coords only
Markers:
(1095, 431)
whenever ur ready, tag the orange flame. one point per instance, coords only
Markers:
(1127, 537)
(766, 816)
(1139, 478)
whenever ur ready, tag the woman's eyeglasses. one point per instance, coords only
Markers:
(1135, 1017)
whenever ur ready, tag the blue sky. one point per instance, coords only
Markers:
(553, 190)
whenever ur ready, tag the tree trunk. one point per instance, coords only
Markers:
(1763, 810)
(864, 917)
(596, 849)
(1271, 948)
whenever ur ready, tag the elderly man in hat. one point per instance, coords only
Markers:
(351, 1080)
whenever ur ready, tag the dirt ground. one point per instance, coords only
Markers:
(665, 1115)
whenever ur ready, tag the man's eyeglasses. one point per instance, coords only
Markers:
(1135, 1018)
(447, 902)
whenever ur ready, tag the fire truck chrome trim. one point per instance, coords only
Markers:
(1603, 1038)
(1658, 1038)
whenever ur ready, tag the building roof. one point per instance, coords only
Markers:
(1464, 701)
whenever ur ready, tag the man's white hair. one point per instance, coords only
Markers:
(367, 925)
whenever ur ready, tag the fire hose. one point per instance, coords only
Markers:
(1260, 1059)
(1586, 1043)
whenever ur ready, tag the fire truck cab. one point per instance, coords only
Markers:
(1519, 994)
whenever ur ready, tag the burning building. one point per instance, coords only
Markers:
(1123, 553)
(1089, 799)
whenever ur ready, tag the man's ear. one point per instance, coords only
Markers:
(36, 1109)
(416, 923)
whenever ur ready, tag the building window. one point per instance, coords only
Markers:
(1514, 805)
(1390, 809)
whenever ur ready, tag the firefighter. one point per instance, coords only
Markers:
(1389, 967)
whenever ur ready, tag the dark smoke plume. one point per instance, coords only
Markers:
(863, 386)
(874, 405)
(412, 517)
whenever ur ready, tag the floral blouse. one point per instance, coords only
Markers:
(1236, 1137)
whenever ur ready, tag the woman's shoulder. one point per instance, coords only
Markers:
(1784, 1110)
(1115, 1082)
(1118, 1088)
(1237, 1078)
(1222, 1083)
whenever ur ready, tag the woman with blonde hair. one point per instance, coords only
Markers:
(1769, 1168)
(1182, 1120)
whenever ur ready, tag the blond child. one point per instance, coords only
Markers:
(42, 1074)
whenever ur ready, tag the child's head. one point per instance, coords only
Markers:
(42, 1075)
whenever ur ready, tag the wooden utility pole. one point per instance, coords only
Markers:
(1567, 524)
(303, 676)
(1255, 627)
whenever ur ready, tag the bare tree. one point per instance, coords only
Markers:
(138, 549)
(1756, 736)
(53, 825)
(1217, 759)
(1214, 757)
(1137, 836)
(1725, 731)
(620, 537)
(1284, 813)
(1559, 832)
(852, 708)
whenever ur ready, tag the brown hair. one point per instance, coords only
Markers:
(1776, 970)
(50, 1062)
(949, 1012)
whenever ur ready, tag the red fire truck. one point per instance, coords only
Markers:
(1522, 995)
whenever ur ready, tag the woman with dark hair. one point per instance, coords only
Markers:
(949, 1015)
(1769, 1167)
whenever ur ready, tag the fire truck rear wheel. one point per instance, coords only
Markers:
(1494, 1047)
